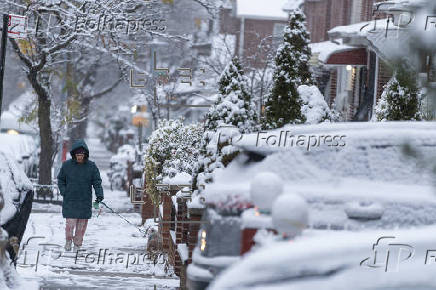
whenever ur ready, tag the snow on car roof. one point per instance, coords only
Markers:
(333, 257)
(371, 165)
(17, 145)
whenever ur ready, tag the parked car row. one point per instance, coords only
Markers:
(373, 186)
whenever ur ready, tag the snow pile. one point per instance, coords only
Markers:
(290, 215)
(14, 185)
(179, 178)
(314, 106)
(326, 48)
(252, 219)
(125, 153)
(264, 189)
(196, 202)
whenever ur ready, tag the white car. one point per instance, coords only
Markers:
(24, 149)
(367, 184)
(17, 196)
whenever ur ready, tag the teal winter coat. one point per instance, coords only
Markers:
(75, 182)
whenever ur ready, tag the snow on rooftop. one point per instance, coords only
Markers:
(325, 49)
(356, 29)
(272, 9)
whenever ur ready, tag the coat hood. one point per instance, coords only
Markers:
(77, 145)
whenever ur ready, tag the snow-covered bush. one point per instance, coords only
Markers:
(233, 108)
(283, 104)
(172, 148)
(400, 99)
(314, 108)
(233, 105)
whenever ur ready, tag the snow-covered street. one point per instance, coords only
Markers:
(122, 262)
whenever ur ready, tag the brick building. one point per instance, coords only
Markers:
(323, 15)
(343, 50)
(256, 23)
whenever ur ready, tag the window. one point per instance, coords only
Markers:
(278, 33)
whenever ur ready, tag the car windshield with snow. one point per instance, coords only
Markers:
(364, 182)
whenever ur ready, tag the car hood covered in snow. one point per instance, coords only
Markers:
(339, 260)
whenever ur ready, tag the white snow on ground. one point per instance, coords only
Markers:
(125, 267)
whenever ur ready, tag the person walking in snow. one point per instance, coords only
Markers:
(75, 181)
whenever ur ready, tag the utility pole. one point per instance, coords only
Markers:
(3, 56)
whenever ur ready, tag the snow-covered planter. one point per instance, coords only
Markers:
(290, 215)
(264, 189)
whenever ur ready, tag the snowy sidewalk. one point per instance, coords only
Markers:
(113, 255)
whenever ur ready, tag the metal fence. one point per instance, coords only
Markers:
(46, 193)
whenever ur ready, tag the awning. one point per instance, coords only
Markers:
(328, 52)
(356, 56)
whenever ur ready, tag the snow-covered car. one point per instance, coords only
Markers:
(24, 149)
(336, 260)
(367, 181)
(17, 195)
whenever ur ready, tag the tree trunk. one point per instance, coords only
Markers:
(45, 134)
(78, 130)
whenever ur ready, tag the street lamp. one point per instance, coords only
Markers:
(139, 119)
